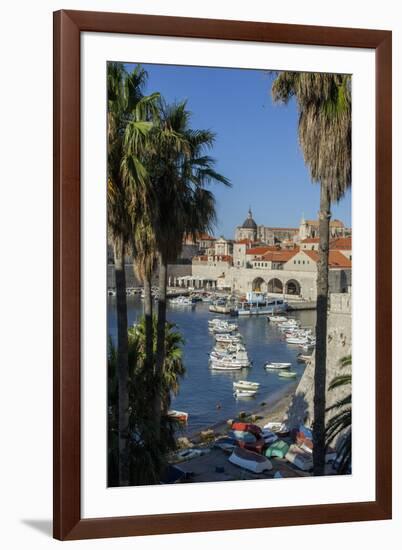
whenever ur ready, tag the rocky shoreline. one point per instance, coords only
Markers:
(273, 410)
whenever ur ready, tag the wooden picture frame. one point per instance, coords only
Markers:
(68, 25)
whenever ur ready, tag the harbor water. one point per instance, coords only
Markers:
(207, 395)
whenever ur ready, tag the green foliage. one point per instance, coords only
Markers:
(146, 454)
(340, 425)
(325, 124)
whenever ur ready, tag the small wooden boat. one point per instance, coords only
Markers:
(246, 385)
(278, 428)
(181, 416)
(299, 458)
(228, 339)
(269, 436)
(226, 443)
(296, 340)
(244, 393)
(277, 366)
(276, 318)
(222, 368)
(287, 374)
(188, 454)
(251, 461)
(278, 449)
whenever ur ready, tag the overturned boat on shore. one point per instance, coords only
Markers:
(253, 462)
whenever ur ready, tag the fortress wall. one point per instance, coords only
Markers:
(339, 345)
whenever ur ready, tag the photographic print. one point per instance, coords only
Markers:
(229, 274)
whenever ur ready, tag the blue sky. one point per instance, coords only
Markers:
(256, 144)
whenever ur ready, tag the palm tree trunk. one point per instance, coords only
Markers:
(148, 326)
(122, 357)
(160, 342)
(321, 335)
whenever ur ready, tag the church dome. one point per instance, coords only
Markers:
(249, 223)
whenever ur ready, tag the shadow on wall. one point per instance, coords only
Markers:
(298, 412)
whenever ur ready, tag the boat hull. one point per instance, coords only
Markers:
(250, 461)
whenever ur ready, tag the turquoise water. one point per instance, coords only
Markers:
(205, 394)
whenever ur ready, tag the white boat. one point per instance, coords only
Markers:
(214, 321)
(307, 347)
(269, 436)
(251, 461)
(188, 454)
(276, 318)
(240, 361)
(287, 374)
(279, 428)
(182, 301)
(246, 385)
(299, 458)
(181, 416)
(228, 338)
(223, 328)
(244, 393)
(219, 365)
(296, 340)
(277, 366)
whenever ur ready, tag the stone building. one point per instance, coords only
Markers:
(292, 273)
(263, 234)
(309, 229)
(248, 230)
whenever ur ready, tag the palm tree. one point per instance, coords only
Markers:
(324, 105)
(147, 457)
(340, 424)
(127, 107)
(181, 171)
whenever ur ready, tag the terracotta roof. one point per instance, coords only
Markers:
(244, 241)
(336, 258)
(260, 250)
(342, 243)
(280, 255)
(311, 240)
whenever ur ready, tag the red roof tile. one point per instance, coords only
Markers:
(260, 250)
(336, 258)
(311, 240)
(342, 243)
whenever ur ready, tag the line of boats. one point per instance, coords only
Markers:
(230, 354)
(293, 332)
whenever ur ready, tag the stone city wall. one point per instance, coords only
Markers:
(339, 345)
